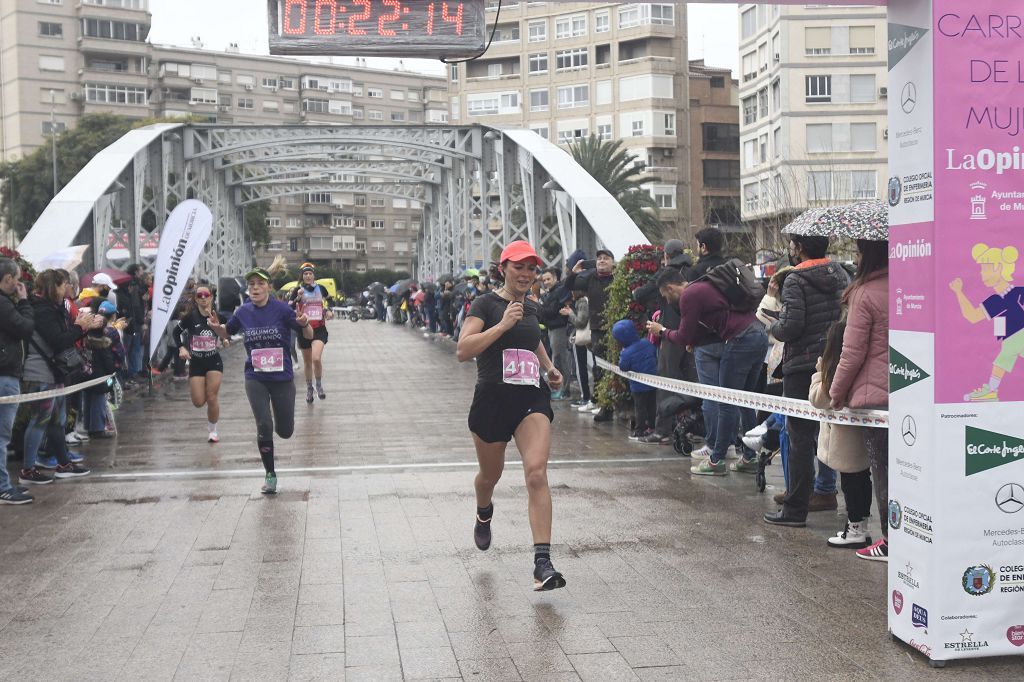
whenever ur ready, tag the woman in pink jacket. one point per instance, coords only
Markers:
(862, 377)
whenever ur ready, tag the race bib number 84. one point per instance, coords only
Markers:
(268, 359)
(520, 367)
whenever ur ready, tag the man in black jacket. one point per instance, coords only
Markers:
(674, 362)
(710, 243)
(16, 326)
(555, 297)
(594, 283)
(130, 305)
(811, 303)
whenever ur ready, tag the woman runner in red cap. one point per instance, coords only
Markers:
(512, 400)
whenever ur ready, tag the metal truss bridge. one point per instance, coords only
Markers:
(479, 188)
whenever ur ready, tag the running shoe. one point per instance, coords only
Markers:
(15, 496)
(545, 577)
(655, 438)
(72, 438)
(876, 552)
(75, 457)
(213, 437)
(70, 471)
(33, 477)
(82, 435)
(588, 406)
(578, 403)
(320, 393)
(703, 451)
(706, 467)
(46, 462)
(744, 465)
(983, 394)
(482, 533)
(309, 394)
(270, 486)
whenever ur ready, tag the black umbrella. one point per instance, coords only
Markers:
(376, 288)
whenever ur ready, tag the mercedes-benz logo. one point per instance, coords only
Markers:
(1010, 498)
(909, 431)
(908, 98)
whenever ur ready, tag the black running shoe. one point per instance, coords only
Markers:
(482, 533)
(33, 477)
(320, 393)
(309, 394)
(70, 471)
(545, 577)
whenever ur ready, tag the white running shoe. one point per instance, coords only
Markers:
(703, 451)
(854, 536)
(595, 409)
(213, 438)
(753, 442)
(587, 408)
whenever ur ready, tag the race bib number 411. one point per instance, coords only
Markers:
(268, 359)
(520, 367)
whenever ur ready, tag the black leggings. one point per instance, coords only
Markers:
(581, 365)
(273, 406)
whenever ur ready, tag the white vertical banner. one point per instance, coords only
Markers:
(181, 243)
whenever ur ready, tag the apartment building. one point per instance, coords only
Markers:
(66, 58)
(566, 70)
(715, 148)
(813, 109)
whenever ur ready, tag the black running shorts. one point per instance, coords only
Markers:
(498, 409)
(198, 367)
(319, 334)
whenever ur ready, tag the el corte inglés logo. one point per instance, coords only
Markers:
(902, 371)
(987, 450)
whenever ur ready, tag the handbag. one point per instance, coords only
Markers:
(70, 366)
(582, 337)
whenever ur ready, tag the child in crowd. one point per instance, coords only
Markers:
(638, 355)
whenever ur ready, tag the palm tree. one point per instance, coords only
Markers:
(614, 168)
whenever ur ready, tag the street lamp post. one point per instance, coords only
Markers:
(53, 139)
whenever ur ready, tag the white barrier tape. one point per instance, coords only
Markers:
(52, 393)
(768, 403)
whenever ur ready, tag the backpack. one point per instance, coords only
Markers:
(737, 283)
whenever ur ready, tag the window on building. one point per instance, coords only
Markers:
(862, 40)
(749, 66)
(273, 221)
(863, 184)
(539, 100)
(570, 26)
(293, 222)
(777, 143)
(776, 95)
(567, 136)
(114, 30)
(722, 211)
(541, 130)
(602, 22)
(57, 127)
(51, 29)
(819, 185)
(453, 73)
(538, 62)
(376, 202)
(48, 63)
(749, 110)
(397, 116)
(748, 23)
(750, 154)
(571, 96)
(762, 103)
(862, 88)
(762, 148)
(664, 196)
(115, 94)
(751, 197)
(398, 225)
(318, 198)
(202, 96)
(669, 124)
(604, 92)
(721, 137)
(819, 138)
(817, 40)
(315, 106)
(718, 81)
(721, 173)
(537, 31)
(375, 115)
(376, 224)
(636, 128)
(644, 14)
(246, 103)
(376, 93)
(571, 59)
(818, 89)
(604, 131)
(863, 137)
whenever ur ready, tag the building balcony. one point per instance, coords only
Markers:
(88, 44)
(91, 75)
(502, 77)
(648, 64)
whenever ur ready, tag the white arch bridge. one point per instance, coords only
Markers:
(479, 188)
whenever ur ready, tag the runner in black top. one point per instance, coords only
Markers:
(512, 400)
(198, 344)
(310, 298)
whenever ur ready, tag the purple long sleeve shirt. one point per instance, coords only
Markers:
(706, 317)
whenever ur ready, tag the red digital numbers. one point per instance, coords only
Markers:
(394, 15)
(294, 25)
(361, 13)
(319, 17)
(354, 30)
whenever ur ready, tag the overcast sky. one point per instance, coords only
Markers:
(713, 30)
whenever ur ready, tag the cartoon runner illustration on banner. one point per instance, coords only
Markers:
(1005, 308)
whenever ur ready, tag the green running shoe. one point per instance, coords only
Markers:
(270, 487)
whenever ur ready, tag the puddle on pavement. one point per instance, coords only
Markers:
(126, 500)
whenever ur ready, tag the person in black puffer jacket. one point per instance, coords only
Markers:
(674, 362)
(811, 302)
(16, 325)
(594, 283)
(54, 333)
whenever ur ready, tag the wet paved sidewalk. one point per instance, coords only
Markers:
(166, 563)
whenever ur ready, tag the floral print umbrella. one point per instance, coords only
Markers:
(860, 220)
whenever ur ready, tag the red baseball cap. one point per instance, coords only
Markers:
(519, 251)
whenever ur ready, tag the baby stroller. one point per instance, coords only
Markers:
(688, 419)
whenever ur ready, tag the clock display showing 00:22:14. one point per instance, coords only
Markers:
(383, 18)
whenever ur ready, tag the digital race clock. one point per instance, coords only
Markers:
(384, 28)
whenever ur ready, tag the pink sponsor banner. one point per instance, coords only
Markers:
(979, 195)
(912, 277)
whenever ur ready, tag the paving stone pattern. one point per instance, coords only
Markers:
(366, 570)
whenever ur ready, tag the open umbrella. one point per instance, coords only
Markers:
(401, 285)
(118, 276)
(65, 259)
(376, 288)
(860, 220)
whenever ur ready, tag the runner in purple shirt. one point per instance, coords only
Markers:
(266, 325)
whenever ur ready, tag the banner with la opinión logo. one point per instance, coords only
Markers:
(181, 244)
(955, 515)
